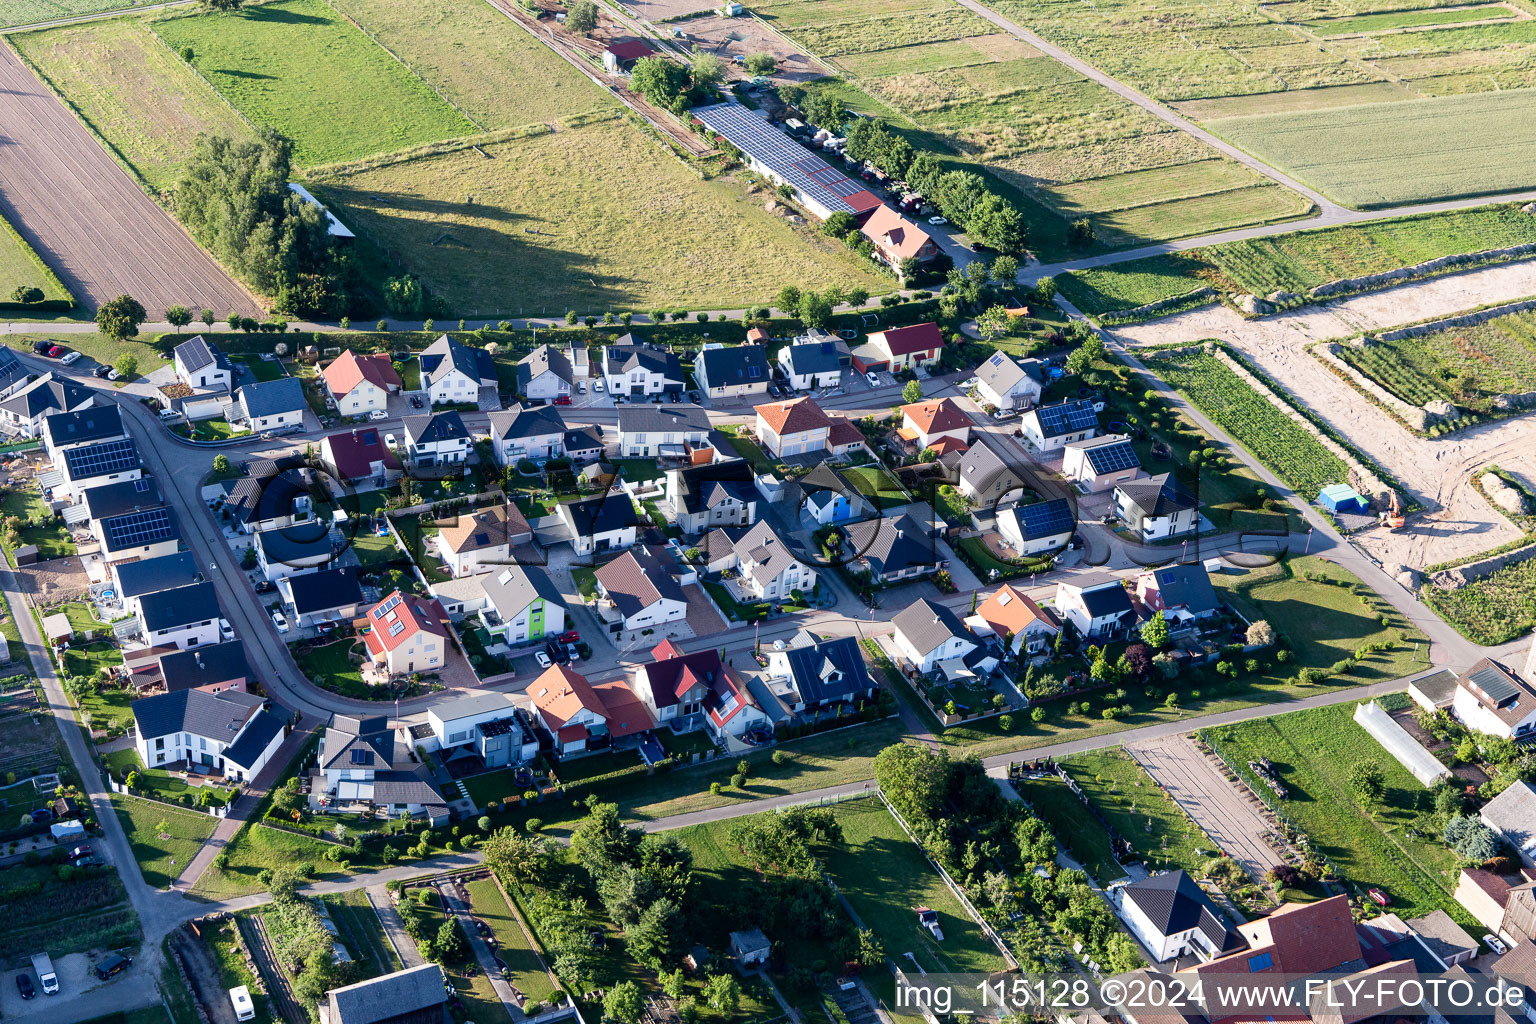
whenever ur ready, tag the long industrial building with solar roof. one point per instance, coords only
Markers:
(818, 186)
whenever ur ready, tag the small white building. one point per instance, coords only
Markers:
(201, 366)
(811, 364)
(456, 723)
(437, 440)
(293, 551)
(184, 617)
(1096, 604)
(545, 374)
(1009, 383)
(1157, 508)
(1493, 700)
(483, 539)
(270, 405)
(604, 523)
(1036, 529)
(453, 373)
(231, 731)
(641, 591)
(928, 634)
(1173, 917)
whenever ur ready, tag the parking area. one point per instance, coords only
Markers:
(736, 37)
(76, 982)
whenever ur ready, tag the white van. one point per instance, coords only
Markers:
(240, 999)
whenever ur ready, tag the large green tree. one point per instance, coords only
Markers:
(582, 17)
(121, 317)
(914, 779)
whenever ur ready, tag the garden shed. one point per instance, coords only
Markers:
(1343, 498)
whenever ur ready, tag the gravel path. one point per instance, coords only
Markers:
(87, 218)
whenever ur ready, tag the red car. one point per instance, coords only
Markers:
(1377, 896)
(562, 399)
(56, 351)
(570, 636)
(79, 851)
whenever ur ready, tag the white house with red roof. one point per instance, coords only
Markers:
(897, 239)
(406, 634)
(796, 427)
(900, 348)
(926, 424)
(360, 384)
(1013, 617)
(359, 457)
(677, 687)
(583, 718)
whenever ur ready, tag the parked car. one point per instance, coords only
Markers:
(1378, 897)
(79, 851)
(1495, 944)
(41, 347)
(265, 587)
(571, 636)
(874, 381)
(968, 383)
(113, 375)
(70, 357)
(677, 397)
(558, 653)
(89, 862)
(415, 401)
(597, 386)
(101, 371)
(378, 414)
(936, 220)
(581, 387)
(57, 351)
(279, 620)
(389, 441)
(111, 966)
(542, 659)
(24, 985)
(562, 399)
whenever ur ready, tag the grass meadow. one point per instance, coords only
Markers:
(593, 219)
(1493, 609)
(30, 12)
(134, 91)
(298, 67)
(20, 265)
(153, 851)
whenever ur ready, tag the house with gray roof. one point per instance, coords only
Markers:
(201, 366)
(733, 371)
(1009, 383)
(605, 523)
(828, 497)
(813, 671)
(139, 533)
(522, 605)
(1492, 699)
(93, 465)
(232, 732)
(891, 550)
(1173, 917)
(545, 374)
(437, 440)
(90, 425)
(584, 444)
(714, 495)
(1183, 593)
(534, 432)
(184, 617)
(1098, 464)
(294, 550)
(214, 668)
(330, 595)
(632, 369)
(928, 634)
(415, 995)
(362, 763)
(1157, 508)
(1048, 427)
(23, 412)
(132, 580)
(812, 364)
(453, 373)
(652, 431)
(273, 493)
(983, 475)
(1512, 814)
(13, 375)
(269, 405)
(767, 569)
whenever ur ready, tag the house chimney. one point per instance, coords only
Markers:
(197, 656)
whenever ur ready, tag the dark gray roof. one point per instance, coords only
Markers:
(209, 663)
(704, 487)
(826, 670)
(927, 625)
(981, 466)
(648, 418)
(445, 355)
(891, 546)
(527, 421)
(1103, 597)
(166, 609)
(1173, 902)
(638, 579)
(515, 587)
(139, 528)
(268, 491)
(218, 716)
(1186, 585)
(583, 439)
(404, 788)
(294, 544)
(544, 359)
(98, 423)
(151, 574)
(124, 496)
(11, 369)
(736, 364)
(1158, 496)
(813, 357)
(272, 397)
(325, 590)
(627, 354)
(371, 737)
(1066, 417)
(196, 353)
(259, 732)
(437, 426)
(391, 995)
(47, 392)
(1444, 937)
(1042, 519)
(103, 458)
(612, 511)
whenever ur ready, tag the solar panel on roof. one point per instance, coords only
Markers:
(362, 757)
(997, 359)
(1046, 518)
(138, 528)
(397, 627)
(1495, 685)
(1112, 457)
(1069, 416)
(99, 459)
(387, 607)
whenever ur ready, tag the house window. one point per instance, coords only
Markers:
(1262, 962)
(160, 743)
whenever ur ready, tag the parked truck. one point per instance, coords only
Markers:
(46, 979)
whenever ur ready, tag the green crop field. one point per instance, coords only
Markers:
(133, 90)
(1468, 366)
(1492, 610)
(595, 218)
(298, 67)
(1128, 285)
(20, 266)
(1408, 19)
(1369, 841)
(30, 12)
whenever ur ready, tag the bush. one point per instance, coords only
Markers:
(739, 780)
(1005, 722)
(715, 789)
(781, 757)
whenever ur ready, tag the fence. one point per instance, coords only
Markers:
(216, 812)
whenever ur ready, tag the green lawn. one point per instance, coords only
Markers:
(878, 485)
(585, 580)
(154, 853)
(106, 709)
(47, 532)
(1314, 752)
(734, 609)
(362, 931)
(160, 783)
(512, 944)
(263, 369)
(749, 449)
(20, 266)
(205, 430)
(375, 552)
(1111, 289)
(256, 848)
(328, 666)
(1076, 830)
(299, 68)
(1137, 808)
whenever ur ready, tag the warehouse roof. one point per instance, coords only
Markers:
(805, 172)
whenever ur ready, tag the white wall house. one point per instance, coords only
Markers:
(270, 405)
(767, 569)
(1096, 604)
(360, 384)
(201, 365)
(453, 373)
(796, 427)
(652, 431)
(545, 374)
(1048, 427)
(184, 617)
(231, 731)
(1157, 508)
(522, 605)
(527, 432)
(1008, 382)
(1173, 918)
(440, 440)
(633, 370)
(1491, 699)
(1100, 464)
(812, 364)
(928, 634)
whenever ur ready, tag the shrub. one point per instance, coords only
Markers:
(534, 824)
(715, 789)
(739, 780)
(781, 757)
(1005, 722)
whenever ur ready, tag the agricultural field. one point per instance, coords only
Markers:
(20, 267)
(298, 67)
(30, 12)
(1298, 261)
(1492, 610)
(1392, 843)
(1467, 366)
(593, 218)
(133, 91)
(955, 83)
(1287, 447)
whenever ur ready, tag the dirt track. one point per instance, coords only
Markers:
(87, 218)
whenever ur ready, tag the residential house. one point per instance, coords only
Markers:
(1505, 904)
(641, 591)
(22, 414)
(1183, 593)
(91, 425)
(1157, 508)
(270, 405)
(1017, 621)
(143, 533)
(811, 364)
(900, 348)
(132, 580)
(605, 523)
(576, 352)
(522, 605)
(13, 375)
(406, 634)
(416, 995)
(1049, 427)
(229, 732)
(795, 427)
(581, 717)
(1493, 700)
(362, 765)
(714, 495)
(828, 497)
(1098, 464)
(1173, 917)
(534, 432)
(201, 366)
(184, 617)
(331, 595)
(679, 689)
(274, 493)
(813, 672)
(1096, 604)
(93, 465)
(361, 384)
(897, 239)
(211, 668)
(107, 500)
(453, 373)
(767, 569)
(1009, 383)
(359, 457)
(1512, 814)
(490, 725)
(461, 596)
(1446, 939)
(983, 476)
(892, 551)
(545, 374)
(483, 539)
(1038, 528)
(634, 370)
(293, 551)
(928, 634)
(737, 371)
(844, 438)
(661, 431)
(585, 444)
(439, 439)
(928, 424)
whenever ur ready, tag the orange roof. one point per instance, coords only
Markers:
(625, 712)
(486, 528)
(349, 370)
(843, 432)
(559, 693)
(947, 444)
(893, 233)
(1011, 611)
(793, 416)
(398, 617)
(936, 414)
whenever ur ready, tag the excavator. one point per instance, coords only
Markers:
(1393, 517)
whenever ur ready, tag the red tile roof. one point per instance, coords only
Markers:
(843, 432)
(560, 692)
(936, 415)
(947, 444)
(354, 452)
(895, 234)
(413, 613)
(349, 370)
(623, 710)
(901, 341)
(794, 416)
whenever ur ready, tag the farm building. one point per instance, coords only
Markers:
(620, 57)
(818, 186)
(1343, 498)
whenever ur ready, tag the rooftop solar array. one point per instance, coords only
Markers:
(387, 607)
(1046, 518)
(1068, 416)
(808, 173)
(1110, 458)
(138, 529)
(362, 756)
(1492, 682)
(100, 459)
